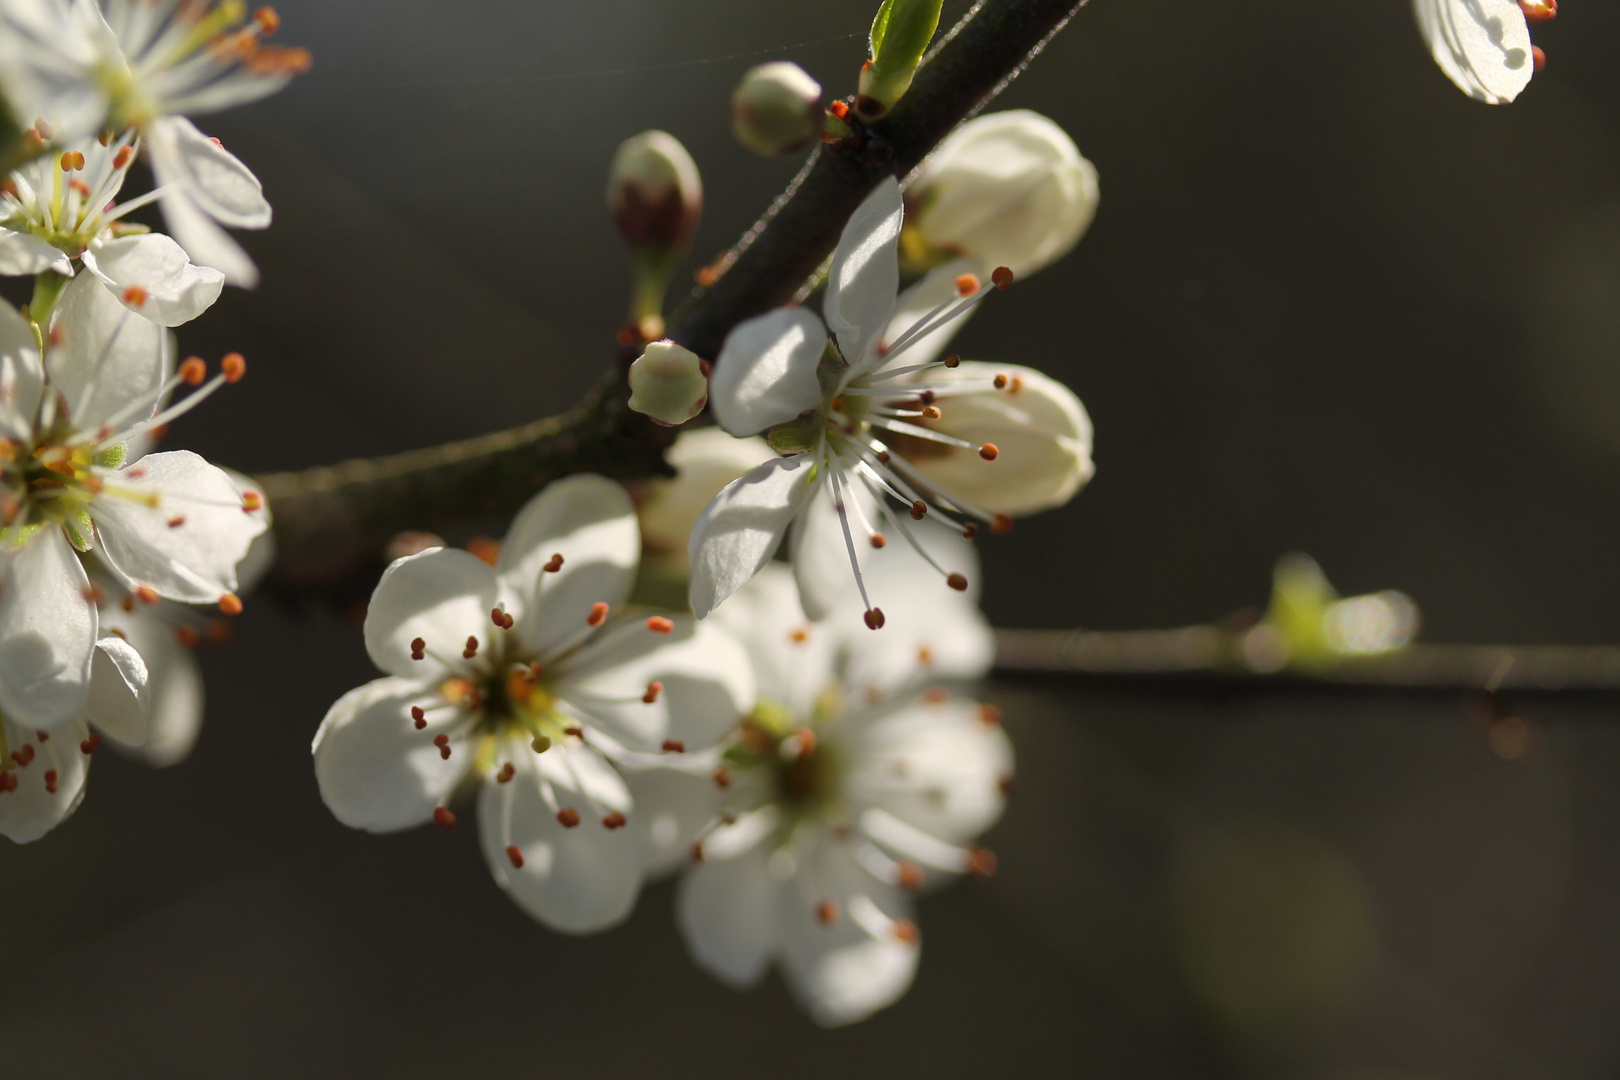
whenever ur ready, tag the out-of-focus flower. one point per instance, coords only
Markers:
(1007, 188)
(167, 525)
(98, 65)
(1483, 45)
(1308, 626)
(61, 207)
(868, 413)
(776, 108)
(841, 794)
(668, 384)
(511, 675)
(705, 461)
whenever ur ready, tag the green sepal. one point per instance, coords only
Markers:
(79, 530)
(113, 457)
(793, 437)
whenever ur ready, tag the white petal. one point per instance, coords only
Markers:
(938, 766)
(443, 596)
(821, 554)
(705, 460)
(33, 810)
(108, 356)
(119, 701)
(727, 911)
(47, 633)
(590, 522)
(1482, 45)
(1041, 430)
(375, 769)
(23, 253)
(205, 242)
(791, 657)
(21, 377)
(194, 560)
(217, 181)
(766, 371)
(574, 880)
(673, 806)
(707, 683)
(174, 688)
(865, 273)
(743, 527)
(843, 972)
(154, 277)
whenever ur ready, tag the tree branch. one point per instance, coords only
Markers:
(332, 523)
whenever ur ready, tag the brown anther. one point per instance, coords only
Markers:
(50, 781)
(1001, 524)
(905, 931)
(1538, 10)
(471, 649)
(919, 510)
(981, 862)
(554, 565)
(909, 875)
(124, 156)
(24, 756)
(500, 618)
(515, 856)
(936, 696)
(1000, 382)
(883, 457)
(721, 777)
(598, 615)
(230, 604)
(146, 594)
(878, 540)
(957, 582)
(952, 361)
(827, 912)
(43, 736)
(659, 625)
(418, 649)
(187, 636)
(989, 451)
(873, 695)
(931, 412)
(135, 296)
(89, 745)
(443, 818)
(614, 820)
(252, 501)
(505, 775)
(989, 716)
(654, 688)
(127, 603)
(874, 619)
(419, 715)
(1002, 276)
(970, 530)
(176, 521)
(568, 817)
(574, 731)
(967, 284)
(233, 366)
(8, 782)
(1538, 58)
(485, 549)
(193, 371)
(443, 743)
(540, 744)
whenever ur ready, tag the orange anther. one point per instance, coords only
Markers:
(598, 615)
(487, 550)
(193, 371)
(967, 284)
(230, 604)
(909, 876)
(122, 159)
(147, 594)
(267, 19)
(653, 690)
(234, 367)
(568, 817)
(827, 912)
(878, 540)
(1538, 10)
(177, 521)
(952, 361)
(799, 636)
(936, 696)
(417, 649)
(989, 716)
(989, 451)
(505, 775)
(251, 501)
(135, 296)
(659, 625)
(838, 109)
(1537, 57)
(418, 717)
(1000, 382)
(906, 931)
(981, 862)
(931, 412)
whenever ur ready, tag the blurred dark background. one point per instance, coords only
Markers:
(1328, 304)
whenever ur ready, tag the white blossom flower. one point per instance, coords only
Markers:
(1008, 188)
(148, 64)
(511, 675)
(870, 414)
(168, 525)
(1482, 45)
(61, 207)
(847, 788)
(705, 460)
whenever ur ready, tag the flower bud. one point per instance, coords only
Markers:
(705, 461)
(668, 384)
(656, 198)
(776, 108)
(1008, 188)
(900, 35)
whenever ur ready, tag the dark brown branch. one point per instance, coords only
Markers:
(332, 523)
(1203, 661)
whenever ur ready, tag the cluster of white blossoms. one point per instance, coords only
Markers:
(108, 550)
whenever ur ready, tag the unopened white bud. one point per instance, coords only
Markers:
(776, 108)
(1009, 188)
(654, 192)
(668, 384)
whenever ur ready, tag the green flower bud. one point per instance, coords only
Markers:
(668, 384)
(656, 198)
(776, 109)
(900, 35)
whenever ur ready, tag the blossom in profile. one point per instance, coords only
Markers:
(1006, 188)
(514, 676)
(870, 418)
(61, 208)
(96, 65)
(858, 780)
(1484, 45)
